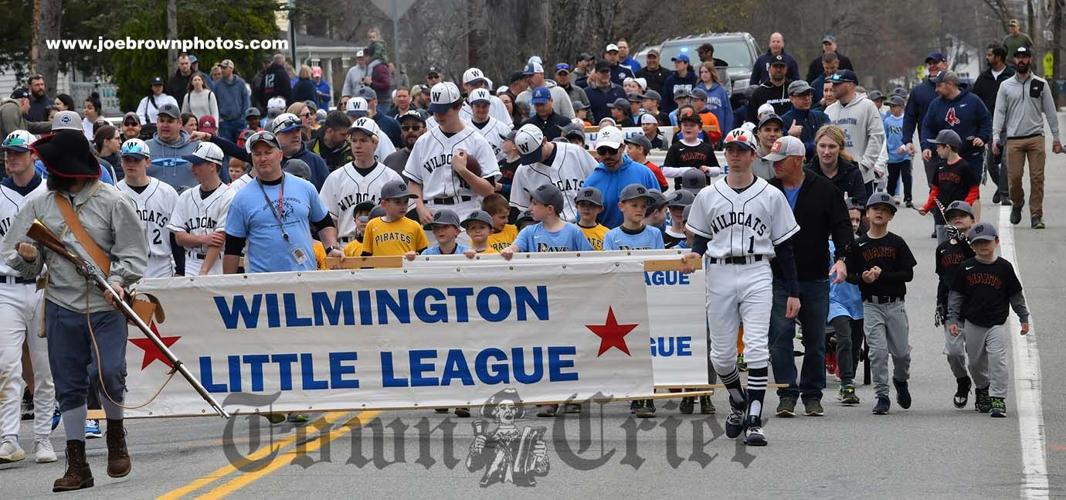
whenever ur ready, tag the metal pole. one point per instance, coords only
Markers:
(292, 36)
(396, 33)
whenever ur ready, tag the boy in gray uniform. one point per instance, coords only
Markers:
(977, 309)
(86, 335)
(881, 263)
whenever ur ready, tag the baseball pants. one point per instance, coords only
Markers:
(955, 350)
(887, 333)
(1018, 150)
(814, 307)
(739, 293)
(988, 352)
(20, 321)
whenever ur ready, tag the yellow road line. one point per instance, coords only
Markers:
(286, 458)
(221, 472)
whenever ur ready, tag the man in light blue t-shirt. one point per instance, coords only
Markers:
(273, 216)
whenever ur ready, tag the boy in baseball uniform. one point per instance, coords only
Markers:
(551, 233)
(561, 164)
(445, 227)
(882, 264)
(589, 203)
(478, 226)
(362, 215)
(199, 219)
(739, 224)
(393, 233)
(503, 233)
(984, 288)
(155, 203)
(633, 234)
(949, 258)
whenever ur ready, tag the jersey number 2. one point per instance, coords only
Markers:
(751, 244)
(157, 237)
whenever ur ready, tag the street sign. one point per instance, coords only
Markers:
(394, 8)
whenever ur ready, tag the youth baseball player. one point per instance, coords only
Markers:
(155, 203)
(358, 108)
(491, 129)
(739, 223)
(358, 181)
(199, 219)
(474, 79)
(20, 316)
(438, 168)
(545, 162)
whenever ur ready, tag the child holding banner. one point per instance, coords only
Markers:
(394, 233)
(478, 227)
(678, 203)
(445, 227)
(589, 203)
(503, 234)
(633, 234)
(362, 214)
(552, 233)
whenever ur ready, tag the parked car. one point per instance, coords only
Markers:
(738, 50)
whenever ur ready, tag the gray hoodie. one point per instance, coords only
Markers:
(167, 164)
(1019, 113)
(864, 132)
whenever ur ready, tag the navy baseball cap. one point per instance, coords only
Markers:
(844, 76)
(681, 57)
(1023, 51)
(541, 95)
(935, 57)
(779, 60)
(158, 80)
(20, 93)
(562, 68)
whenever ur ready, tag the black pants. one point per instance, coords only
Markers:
(997, 170)
(897, 171)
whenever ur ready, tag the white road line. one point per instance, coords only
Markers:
(1026, 384)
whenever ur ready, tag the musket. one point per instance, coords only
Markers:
(41, 234)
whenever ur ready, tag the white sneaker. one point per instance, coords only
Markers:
(43, 451)
(10, 451)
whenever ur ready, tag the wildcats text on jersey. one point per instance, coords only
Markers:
(155, 217)
(725, 221)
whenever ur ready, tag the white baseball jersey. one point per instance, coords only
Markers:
(750, 222)
(493, 131)
(197, 215)
(345, 188)
(10, 204)
(568, 170)
(241, 181)
(430, 165)
(155, 205)
(385, 147)
(497, 110)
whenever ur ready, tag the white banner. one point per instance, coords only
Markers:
(399, 338)
(676, 308)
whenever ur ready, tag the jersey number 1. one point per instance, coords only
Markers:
(751, 244)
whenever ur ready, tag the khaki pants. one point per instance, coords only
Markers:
(1017, 152)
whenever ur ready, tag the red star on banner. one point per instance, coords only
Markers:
(612, 334)
(151, 352)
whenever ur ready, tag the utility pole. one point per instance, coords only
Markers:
(292, 35)
(172, 34)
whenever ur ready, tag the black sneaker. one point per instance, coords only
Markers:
(1015, 214)
(908, 204)
(848, 396)
(635, 405)
(462, 412)
(1038, 223)
(1005, 201)
(734, 423)
(753, 434)
(999, 408)
(687, 405)
(706, 406)
(813, 408)
(547, 411)
(982, 402)
(647, 409)
(440, 410)
(786, 408)
(962, 394)
(881, 408)
(996, 197)
(903, 394)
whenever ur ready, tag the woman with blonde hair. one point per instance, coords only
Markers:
(308, 120)
(834, 163)
(717, 98)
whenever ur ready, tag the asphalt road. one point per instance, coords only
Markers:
(932, 450)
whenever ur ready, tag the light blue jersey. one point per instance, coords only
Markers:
(435, 250)
(619, 239)
(537, 239)
(250, 217)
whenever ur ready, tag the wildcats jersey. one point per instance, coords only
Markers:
(155, 204)
(749, 222)
(569, 167)
(197, 215)
(493, 131)
(11, 201)
(430, 165)
(346, 187)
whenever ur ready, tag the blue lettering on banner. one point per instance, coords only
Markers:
(423, 368)
(383, 307)
(665, 278)
(665, 347)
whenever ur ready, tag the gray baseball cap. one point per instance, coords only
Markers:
(548, 194)
(525, 216)
(639, 140)
(66, 120)
(169, 109)
(680, 198)
(874, 95)
(589, 194)
(658, 200)
(367, 93)
(693, 179)
(882, 198)
(443, 217)
(896, 100)
(959, 206)
(947, 137)
(634, 191)
(477, 216)
(982, 231)
(653, 95)
(378, 211)
(395, 189)
(799, 87)
(262, 136)
(297, 167)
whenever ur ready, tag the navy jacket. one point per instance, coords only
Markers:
(601, 98)
(848, 179)
(812, 120)
(667, 105)
(917, 103)
(966, 114)
(391, 127)
(986, 87)
(760, 72)
(816, 68)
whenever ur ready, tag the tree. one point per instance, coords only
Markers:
(43, 61)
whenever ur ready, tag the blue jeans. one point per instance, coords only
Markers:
(73, 358)
(814, 308)
(230, 129)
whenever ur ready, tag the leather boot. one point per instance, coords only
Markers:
(78, 475)
(118, 458)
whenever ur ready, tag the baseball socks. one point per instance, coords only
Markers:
(757, 390)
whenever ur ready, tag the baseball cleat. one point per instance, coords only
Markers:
(753, 433)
